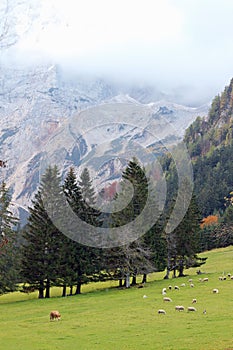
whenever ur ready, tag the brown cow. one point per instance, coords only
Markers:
(55, 315)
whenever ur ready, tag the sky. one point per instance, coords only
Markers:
(171, 44)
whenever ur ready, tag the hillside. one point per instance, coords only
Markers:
(210, 144)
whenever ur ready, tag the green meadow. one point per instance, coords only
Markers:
(104, 317)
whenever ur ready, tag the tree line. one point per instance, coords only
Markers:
(40, 256)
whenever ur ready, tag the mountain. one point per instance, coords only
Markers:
(47, 117)
(210, 144)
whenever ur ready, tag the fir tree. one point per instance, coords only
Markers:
(41, 254)
(9, 252)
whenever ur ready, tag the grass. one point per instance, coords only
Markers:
(106, 318)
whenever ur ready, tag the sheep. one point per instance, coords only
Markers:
(206, 279)
(177, 288)
(229, 275)
(170, 287)
(232, 277)
(164, 291)
(191, 308)
(204, 312)
(161, 311)
(220, 278)
(215, 290)
(191, 285)
(190, 280)
(179, 308)
(145, 296)
(183, 285)
(194, 301)
(167, 299)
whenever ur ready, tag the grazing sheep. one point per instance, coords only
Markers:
(215, 290)
(161, 311)
(200, 279)
(190, 280)
(167, 299)
(191, 285)
(220, 278)
(170, 287)
(191, 308)
(232, 277)
(229, 275)
(179, 308)
(183, 285)
(145, 296)
(194, 301)
(177, 288)
(206, 279)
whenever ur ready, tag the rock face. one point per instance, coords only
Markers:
(45, 118)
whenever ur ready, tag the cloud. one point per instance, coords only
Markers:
(169, 43)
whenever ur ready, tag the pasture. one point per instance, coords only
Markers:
(106, 318)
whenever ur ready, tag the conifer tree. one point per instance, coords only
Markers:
(9, 252)
(41, 254)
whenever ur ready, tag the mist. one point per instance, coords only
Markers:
(177, 46)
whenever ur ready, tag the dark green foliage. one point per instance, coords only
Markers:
(9, 251)
(41, 253)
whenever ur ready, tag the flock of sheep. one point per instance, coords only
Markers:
(194, 301)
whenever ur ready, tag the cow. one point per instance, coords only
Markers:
(55, 315)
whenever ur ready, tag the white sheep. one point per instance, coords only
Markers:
(170, 287)
(194, 301)
(190, 280)
(191, 308)
(191, 285)
(167, 299)
(161, 311)
(232, 277)
(206, 279)
(183, 285)
(177, 288)
(145, 296)
(215, 290)
(179, 308)
(220, 278)
(164, 291)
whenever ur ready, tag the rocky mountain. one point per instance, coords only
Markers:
(46, 118)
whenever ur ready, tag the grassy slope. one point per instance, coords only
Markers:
(109, 319)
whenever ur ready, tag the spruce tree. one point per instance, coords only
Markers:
(41, 253)
(9, 252)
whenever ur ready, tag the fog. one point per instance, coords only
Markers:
(175, 45)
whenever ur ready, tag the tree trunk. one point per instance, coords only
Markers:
(78, 288)
(47, 289)
(71, 290)
(64, 290)
(41, 290)
(181, 268)
(120, 282)
(127, 280)
(134, 281)
(144, 278)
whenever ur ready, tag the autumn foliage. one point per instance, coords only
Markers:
(209, 221)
